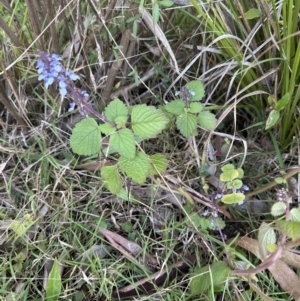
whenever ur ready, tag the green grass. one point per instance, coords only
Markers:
(53, 203)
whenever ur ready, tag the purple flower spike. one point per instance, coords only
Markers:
(51, 71)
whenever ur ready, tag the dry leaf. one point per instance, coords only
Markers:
(282, 273)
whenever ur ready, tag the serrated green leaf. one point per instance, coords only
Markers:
(175, 107)
(283, 102)
(206, 277)
(107, 128)
(278, 208)
(147, 121)
(295, 214)
(159, 164)
(205, 223)
(196, 89)
(229, 175)
(233, 198)
(272, 119)
(252, 13)
(290, 228)
(115, 109)
(207, 120)
(167, 3)
(53, 288)
(155, 12)
(195, 107)
(112, 178)
(266, 236)
(86, 137)
(187, 124)
(123, 142)
(136, 168)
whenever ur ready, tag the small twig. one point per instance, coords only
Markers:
(265, 264)
(10, 33)
(53, 31)
(34, 20)
(116, 65)
(273, 183)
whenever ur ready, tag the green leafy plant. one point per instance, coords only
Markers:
(208, 219)
(189, 112)
(127, 127)
(145, 122)
(232, 177)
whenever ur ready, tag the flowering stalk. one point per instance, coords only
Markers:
(51, 71)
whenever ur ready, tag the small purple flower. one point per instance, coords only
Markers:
(218, 196)
(245, 188)
(85, 94)
(51, 71)
(205, 213)
(72, 75)
(215, 213)
(72, 106)
(49, 81)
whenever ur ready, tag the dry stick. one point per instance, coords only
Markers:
(267, 263)
(33, 15)
(12, 110)
(107, 15)
(149, 74)
(274, 256)
(116, 65)
(13, 87)
(6, 5)
(129, 55)
(54, 38)
(10, 33)
(288, 175)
